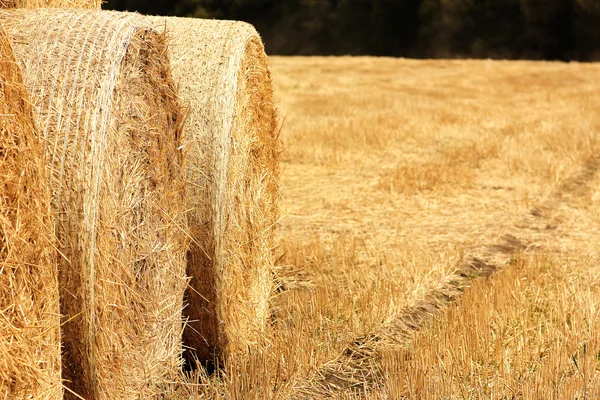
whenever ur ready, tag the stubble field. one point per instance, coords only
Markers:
(439, 233)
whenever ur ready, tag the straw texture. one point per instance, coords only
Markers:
(232, 168)
(111, 122)
(94, 4)
(29, 310)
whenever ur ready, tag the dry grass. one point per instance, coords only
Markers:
(94, 4)
(427, 160)
(454, 168)
(232, 173)
(29, 309)
(403, 183)
(531, 332)
(110, 122)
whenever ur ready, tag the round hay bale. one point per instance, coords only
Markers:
(94, 4)
(232, 170)
(111, 126)
(29, 310)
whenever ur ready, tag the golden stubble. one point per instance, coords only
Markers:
(531, 332)
(396, 176)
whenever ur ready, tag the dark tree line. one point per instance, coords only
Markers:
(534, 29)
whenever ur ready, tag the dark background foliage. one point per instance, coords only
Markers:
(516, 29)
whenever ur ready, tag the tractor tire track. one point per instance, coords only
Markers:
(357, 369)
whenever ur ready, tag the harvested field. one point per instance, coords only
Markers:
(29, 309)
(404, 184)
(232, 166)
(530, 332)
(111, 126)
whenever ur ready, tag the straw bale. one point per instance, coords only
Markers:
(93, 4)
(232, 172)
(111, 125)
(29, 310)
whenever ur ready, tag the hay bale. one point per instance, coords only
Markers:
(94, 4)
(232, 169)
(111, 125)
(29, 311)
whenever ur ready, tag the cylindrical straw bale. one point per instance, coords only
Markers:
(111, 125)
(29, 310)
(232, 171)
(93, 4)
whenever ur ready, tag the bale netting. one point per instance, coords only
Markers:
(232, 171)
(94, 4)
(111, 125)
(29, 310)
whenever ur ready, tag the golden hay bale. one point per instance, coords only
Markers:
(111, 125)
(94, 4)
(29, 311)
(232, 169)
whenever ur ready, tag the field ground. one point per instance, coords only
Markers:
(406, 184)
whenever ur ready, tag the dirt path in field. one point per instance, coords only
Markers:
(357, 369)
